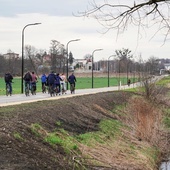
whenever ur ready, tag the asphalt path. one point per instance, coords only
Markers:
(21, 98)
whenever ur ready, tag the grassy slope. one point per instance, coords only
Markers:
(128, 135)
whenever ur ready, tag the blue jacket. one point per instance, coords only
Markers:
(43, 78)
(51, 78)
(72, 79)
(57, 79)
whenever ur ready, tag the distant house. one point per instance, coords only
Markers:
(11, 56)
(167, 66)
(82, 64)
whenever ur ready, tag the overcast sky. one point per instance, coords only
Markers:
(58, 23)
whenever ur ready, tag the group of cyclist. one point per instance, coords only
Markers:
(52, 81)
(56, 83)
(30, 83)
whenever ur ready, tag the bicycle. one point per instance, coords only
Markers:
(33, 88)
(27, 89)
(7, 89)
(63, 89)
(44, 88)
(57, 90)
(51, 90)
(72, 88)
(128, 82)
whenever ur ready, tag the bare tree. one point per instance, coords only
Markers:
(120, 15)
(88, 57)
(124, 57)
(152, 65)
(57, 52)
(40, 56)
(30, 52)
(3, 65)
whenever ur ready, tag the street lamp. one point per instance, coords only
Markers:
(119, 75)
(119, 85)
(68, 58)
(92, 63)
(22, 69)
(127, 71)
(108, 68)
(128, 62)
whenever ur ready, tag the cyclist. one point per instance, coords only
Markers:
(8, 81)
(28, 79)
(129, 81)
(43, 82)
(63, 83)
(57, 83)
(51, 81)
(72, 81)
(33, 82)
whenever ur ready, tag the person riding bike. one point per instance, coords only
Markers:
(33, 82)
(57, 83)
(63, 83)
(72, 81)
(51, 80)
(129, 81)
(43, 82)
(8, 81)
(28, 78)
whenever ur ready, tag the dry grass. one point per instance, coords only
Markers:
(118, 154)
(146, 119)
(136, 146)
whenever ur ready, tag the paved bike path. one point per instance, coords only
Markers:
(21, 98)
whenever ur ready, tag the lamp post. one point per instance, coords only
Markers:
(108, 69)
(68, 58)
(128, 62)
(127, 71)
(22, 68)
(92, 62)
(119, 74)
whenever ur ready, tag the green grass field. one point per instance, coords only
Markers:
(82, 83)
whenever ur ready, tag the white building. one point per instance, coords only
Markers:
(82, 64)
(11, 56)
(167, 66)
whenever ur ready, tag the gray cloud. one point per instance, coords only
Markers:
(10, 8)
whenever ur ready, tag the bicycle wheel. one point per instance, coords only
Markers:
(51, 91)
(57, 91)
(7, 90)
(62, 88)
(72, 88)
(33, 91)
(27, 90)
(44, 88)
(48, 89)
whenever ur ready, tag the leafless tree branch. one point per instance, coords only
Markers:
(120, 16)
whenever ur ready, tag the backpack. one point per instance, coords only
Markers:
(27, 77)
(7, 77)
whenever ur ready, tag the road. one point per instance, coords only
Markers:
(21, 98)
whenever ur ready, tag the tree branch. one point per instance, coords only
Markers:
(119, 16)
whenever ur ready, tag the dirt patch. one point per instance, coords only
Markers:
(77, 115)
(21, 149)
